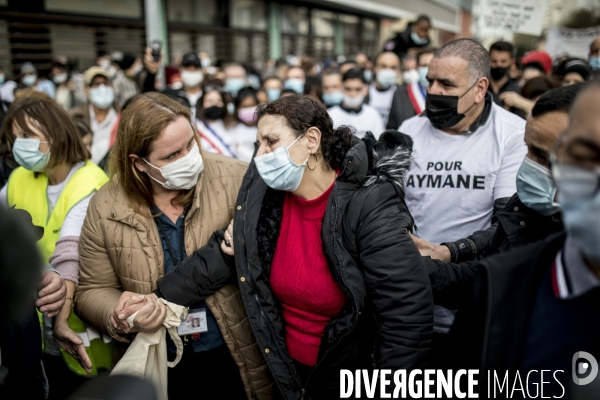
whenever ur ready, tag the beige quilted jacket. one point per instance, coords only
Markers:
(120, 250)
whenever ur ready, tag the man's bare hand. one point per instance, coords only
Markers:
(435, 251)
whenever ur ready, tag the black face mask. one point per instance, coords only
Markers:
(498, 73)
(442, 110)
(214, 112)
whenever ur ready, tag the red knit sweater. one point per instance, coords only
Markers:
(301, 279)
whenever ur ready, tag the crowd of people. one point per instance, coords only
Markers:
(423, 208)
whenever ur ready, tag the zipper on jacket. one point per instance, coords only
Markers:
(269, 329)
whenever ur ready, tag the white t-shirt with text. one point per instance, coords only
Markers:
(455, 179)
(366, 119)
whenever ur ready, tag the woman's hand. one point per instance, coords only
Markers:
(128, 304)
(71, 343)
(150, 316)
(227, 243)
(52, 295)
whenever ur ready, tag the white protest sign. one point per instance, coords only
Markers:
(515, 16)
(572, 42)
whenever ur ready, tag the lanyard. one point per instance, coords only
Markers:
(175, 260)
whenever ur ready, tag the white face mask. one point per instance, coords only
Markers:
(386, 78)
(29, 80)
(410, 76)
(60, 78)
(105, 64)
(353, 102)
(102, 96)
(181, 174)
(176, 85)
(191, 79)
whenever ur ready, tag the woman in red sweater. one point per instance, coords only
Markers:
(327, 270)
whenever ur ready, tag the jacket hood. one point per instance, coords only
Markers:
(389, 158)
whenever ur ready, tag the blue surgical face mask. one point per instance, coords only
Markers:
(27, 153)
(230, 108)
(102, 96)
(423, 77)
(279, 171)
(536, 189)
(418, 40)
(386, 78)
(273, 94)
(333, 98)
(205, 62)
(595, 63)
(297, 85)
(234, 85)
(579, 199)
(368, 75)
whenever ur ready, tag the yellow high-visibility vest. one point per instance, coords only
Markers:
(27, 190)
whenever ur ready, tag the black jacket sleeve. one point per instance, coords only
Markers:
(480, 243)
(396, 279)
(148, 83)
(449, 281)
(198, 276)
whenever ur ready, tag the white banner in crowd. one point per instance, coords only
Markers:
(573, 42)
(515, 16)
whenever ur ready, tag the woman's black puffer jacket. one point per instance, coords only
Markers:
(388, 318)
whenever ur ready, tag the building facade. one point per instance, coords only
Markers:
(251, 31)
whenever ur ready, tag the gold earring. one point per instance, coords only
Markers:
(316, 163)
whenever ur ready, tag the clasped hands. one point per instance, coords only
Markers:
(151, 315)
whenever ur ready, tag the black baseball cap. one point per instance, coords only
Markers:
(191, 59)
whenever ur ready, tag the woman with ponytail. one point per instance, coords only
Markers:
(327, 270)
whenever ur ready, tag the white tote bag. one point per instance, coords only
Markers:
(146, 357)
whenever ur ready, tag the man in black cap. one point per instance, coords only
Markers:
(191, 77)
(125, 84)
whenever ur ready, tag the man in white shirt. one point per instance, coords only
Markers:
(99, 114)
(467, 152)
(381, 91)
(352, 112)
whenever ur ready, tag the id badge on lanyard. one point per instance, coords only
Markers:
(194, 323)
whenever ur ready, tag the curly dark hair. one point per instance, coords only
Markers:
(302, 112)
